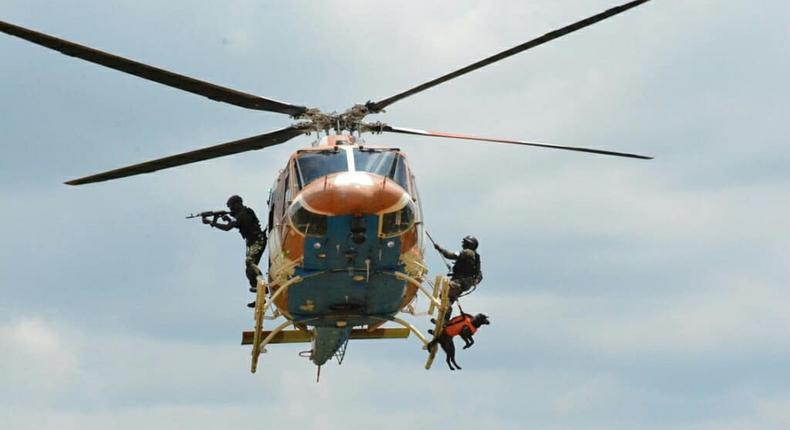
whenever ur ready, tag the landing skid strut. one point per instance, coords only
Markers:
(442, 284)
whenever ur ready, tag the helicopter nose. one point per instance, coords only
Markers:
(352, 193)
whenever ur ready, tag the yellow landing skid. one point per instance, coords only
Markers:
(301, 336)
(442, 286)
(260, 338)
(266, 295)
(260, 308)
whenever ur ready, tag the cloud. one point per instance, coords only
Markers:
(38, 364)
(623, 294)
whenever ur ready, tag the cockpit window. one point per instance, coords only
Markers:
(384, 162)
(313, 165)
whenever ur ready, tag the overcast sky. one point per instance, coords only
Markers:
(622, 293)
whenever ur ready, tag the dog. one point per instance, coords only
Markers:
(464, 325)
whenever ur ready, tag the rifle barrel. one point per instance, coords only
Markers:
(208, 213)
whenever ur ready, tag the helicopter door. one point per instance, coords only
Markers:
(415, 196)
(277, 205)
(286, 197)
(270, 203)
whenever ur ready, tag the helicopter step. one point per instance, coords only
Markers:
(301, 336)
(442, 287)
(260, 311)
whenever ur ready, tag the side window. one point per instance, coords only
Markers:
(404, 171)
(291, 178)
(286, 196)
(416, 197)
(401, 174)
(276, 204)
(270, 202)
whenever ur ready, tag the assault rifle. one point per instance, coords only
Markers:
(209, 214)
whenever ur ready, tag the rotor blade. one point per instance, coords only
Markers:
(249, 144)
(185, 83)
(381, 104)
(387, 128)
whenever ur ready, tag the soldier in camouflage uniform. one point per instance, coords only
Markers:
(244, 219)
(466, 270)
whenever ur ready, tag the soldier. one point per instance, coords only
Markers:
(244, 219)
(466, 270)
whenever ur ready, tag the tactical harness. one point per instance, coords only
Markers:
(456, 325)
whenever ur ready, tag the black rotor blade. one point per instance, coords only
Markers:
(249, 144)
(185, 83)
(390, 129)
(381, 104)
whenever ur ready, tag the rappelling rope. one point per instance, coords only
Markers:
(440, 254)
(460, 309)
(469, 291)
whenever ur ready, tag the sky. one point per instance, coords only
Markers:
(622, 293)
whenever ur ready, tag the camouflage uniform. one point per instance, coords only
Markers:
(250, 229)
(253, 258)
(466, 273)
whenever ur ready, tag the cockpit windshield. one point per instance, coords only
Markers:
(315, 164)
(385, 162)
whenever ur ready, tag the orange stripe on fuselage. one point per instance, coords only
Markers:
(352, 193)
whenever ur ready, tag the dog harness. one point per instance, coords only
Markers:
(457, 324)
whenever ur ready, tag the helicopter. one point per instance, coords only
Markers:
(345, 223)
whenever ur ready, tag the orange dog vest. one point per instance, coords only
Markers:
(457, 324)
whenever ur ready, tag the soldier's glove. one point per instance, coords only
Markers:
(225, 218)
(206, 221)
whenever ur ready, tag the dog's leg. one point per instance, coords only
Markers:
(469, 342)
(449, 350)
(456, 364)
(466, 335)
(431, 344)
(451, 354)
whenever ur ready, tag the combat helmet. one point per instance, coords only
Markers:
(469, 242)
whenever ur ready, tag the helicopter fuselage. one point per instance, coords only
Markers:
(345, 220)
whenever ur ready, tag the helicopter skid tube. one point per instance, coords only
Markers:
(260, 309)
(404, 277)
(261, 306)
(262, 346)
(443, 285)
(282, 288)
(411, 327)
